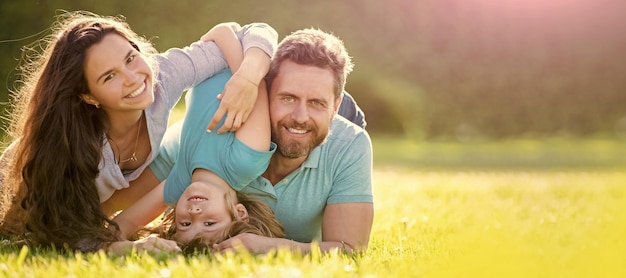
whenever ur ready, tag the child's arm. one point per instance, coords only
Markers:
(142, 212)
(248, 70)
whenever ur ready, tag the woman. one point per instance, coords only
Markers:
(91, 114)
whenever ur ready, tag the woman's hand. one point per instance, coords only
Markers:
(237, 101)
(251, 242)
(249, 68)
(239, 95)
(152, 244)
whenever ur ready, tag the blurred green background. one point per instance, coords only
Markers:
(462, 70)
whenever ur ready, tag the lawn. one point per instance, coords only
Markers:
(519, 208)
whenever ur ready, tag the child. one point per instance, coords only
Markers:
(259, 221)
(210, 167)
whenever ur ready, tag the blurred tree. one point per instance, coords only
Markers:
(424, 68)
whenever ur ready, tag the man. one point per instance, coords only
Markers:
(319, 180)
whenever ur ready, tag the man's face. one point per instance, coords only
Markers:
(302, 105)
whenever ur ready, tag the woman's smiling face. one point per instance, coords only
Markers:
(118, 76)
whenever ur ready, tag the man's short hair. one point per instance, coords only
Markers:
(313, 47)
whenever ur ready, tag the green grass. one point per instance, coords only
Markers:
(456, 218)
(481, 224)
(517, 154)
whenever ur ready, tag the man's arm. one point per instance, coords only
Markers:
(349, 212)
(346, 227)
(348, 218)
(351, 111)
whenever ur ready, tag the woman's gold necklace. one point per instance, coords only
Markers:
(133, 157)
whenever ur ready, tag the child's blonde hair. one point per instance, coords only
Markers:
(260, 221)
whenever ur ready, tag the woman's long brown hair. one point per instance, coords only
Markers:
(60, 138)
